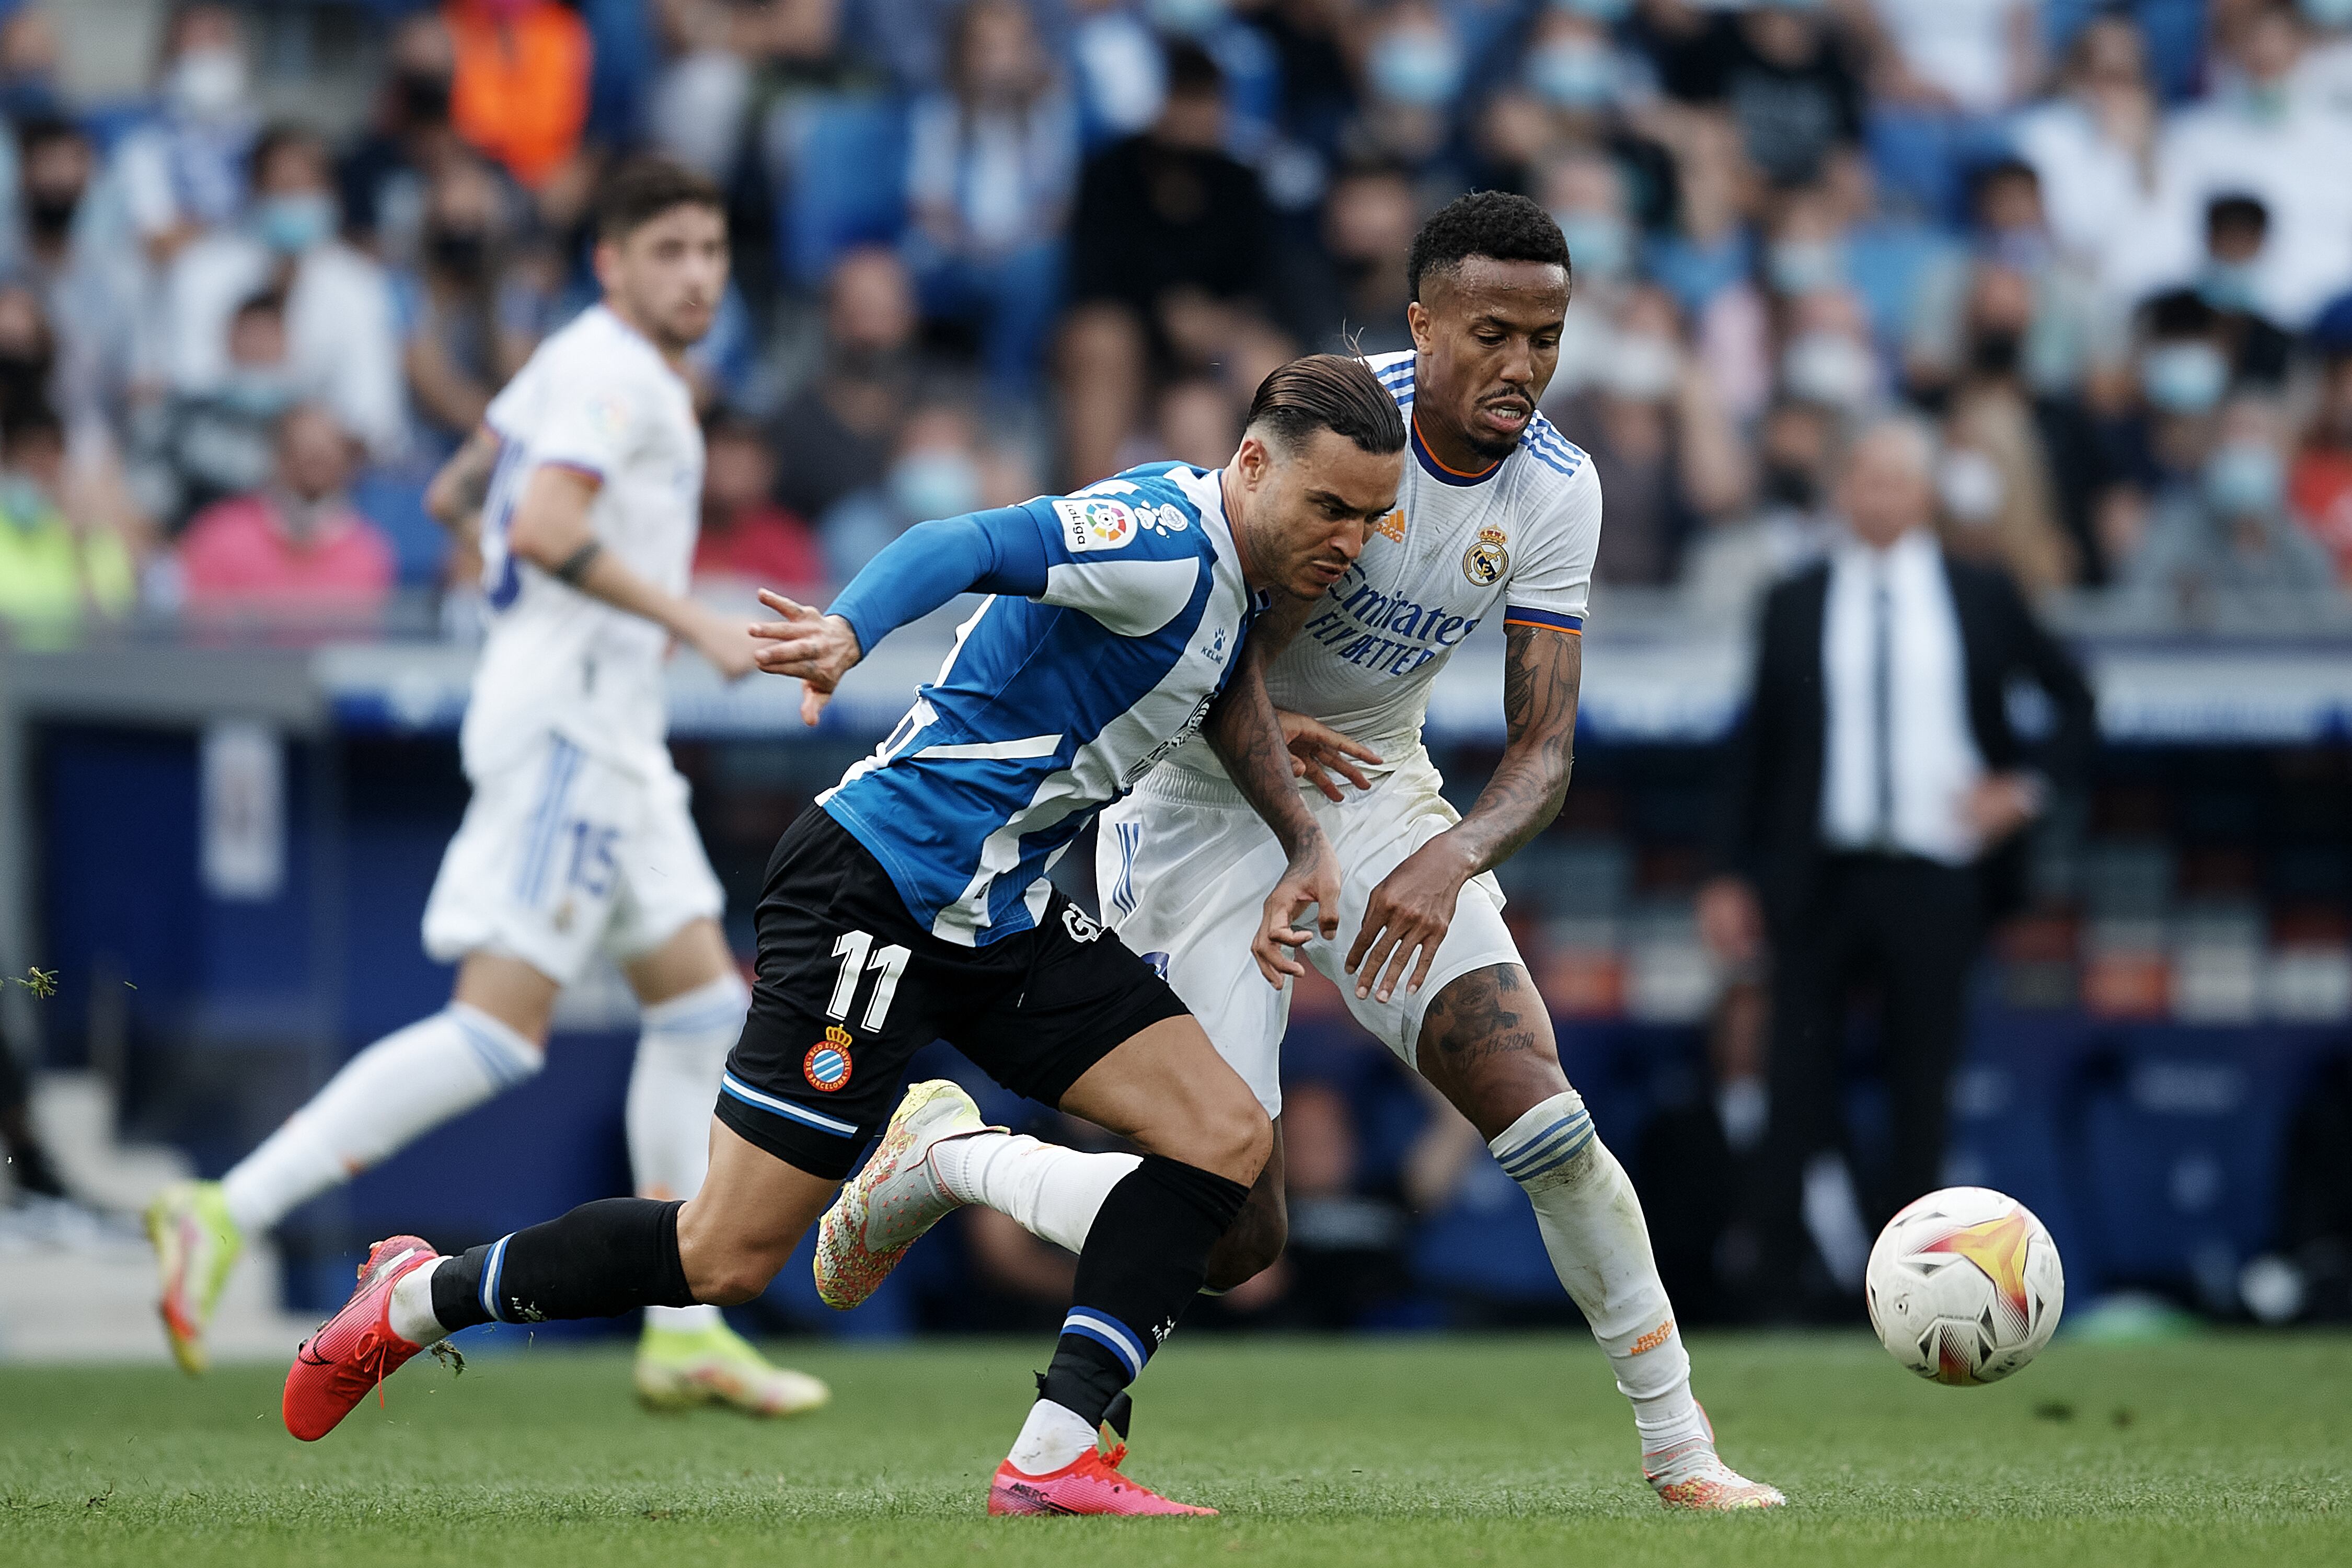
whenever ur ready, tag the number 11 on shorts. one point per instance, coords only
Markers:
(854, 949)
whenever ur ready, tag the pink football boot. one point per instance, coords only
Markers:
(1090, 1484)
(355, 1350)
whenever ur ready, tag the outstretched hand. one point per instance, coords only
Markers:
(1313, 878)
(808, 645)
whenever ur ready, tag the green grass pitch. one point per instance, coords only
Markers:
(2225, 1450)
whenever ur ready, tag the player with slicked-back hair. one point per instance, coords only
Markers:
(910, 902)
(1498, 512)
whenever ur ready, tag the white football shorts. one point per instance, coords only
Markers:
(561, 854)
(1183, 868)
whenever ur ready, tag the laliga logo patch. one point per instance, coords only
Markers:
(1485, 562)
(609, 416)
(1096, 522)
(1080, 928)
(828, 1066)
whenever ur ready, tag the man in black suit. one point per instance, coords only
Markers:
(1872, 802)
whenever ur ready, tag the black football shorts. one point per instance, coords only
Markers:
(850, 988)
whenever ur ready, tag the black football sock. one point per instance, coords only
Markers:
(601, 1259)
(1145, 1258)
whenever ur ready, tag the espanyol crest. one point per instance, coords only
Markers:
(828, 1066)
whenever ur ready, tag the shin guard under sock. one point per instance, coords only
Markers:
(1145, 1258)
(603, 1258)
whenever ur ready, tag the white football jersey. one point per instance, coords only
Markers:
(596, 397)
(1519, 537)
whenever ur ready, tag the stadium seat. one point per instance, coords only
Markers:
(840, 164)
(394, 500)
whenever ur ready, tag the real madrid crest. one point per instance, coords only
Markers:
(828, 1066)
(1485, 562)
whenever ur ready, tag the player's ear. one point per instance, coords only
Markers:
(1416, 321)
(1252, 459)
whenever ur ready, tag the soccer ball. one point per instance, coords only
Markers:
(1965, 1286)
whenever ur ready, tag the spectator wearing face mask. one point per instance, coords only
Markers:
(1587, 193)
(1413, 69)
(2010, 232)
(1826, 355)
(936, 470)
(185, 175)
(339, 315)
(2230, 536)
(2256, 136)
(1788, 523)
(2237, 228)
(57, 572)
(384, 177)
(1665, 455)
(2158, 441)
(190, 450)
(1578, 89)
(87, 288)
(293, 549)
(1994, 500)
(458, 347)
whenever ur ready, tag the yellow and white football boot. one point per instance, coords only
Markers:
(196, 1243)
(715, 1366)
(885, 1209)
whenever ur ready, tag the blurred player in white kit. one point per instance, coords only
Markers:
(584, 482)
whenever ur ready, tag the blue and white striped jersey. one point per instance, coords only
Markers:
(1051, 707)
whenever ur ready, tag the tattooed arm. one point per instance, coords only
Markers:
(456, 494)
(1413, 906)
(1542, 670)
(1246, 735)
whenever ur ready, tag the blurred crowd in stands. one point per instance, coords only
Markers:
(987, 247)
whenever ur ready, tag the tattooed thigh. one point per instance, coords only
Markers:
(1487, 1044)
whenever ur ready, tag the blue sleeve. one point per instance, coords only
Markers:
(1002, 551)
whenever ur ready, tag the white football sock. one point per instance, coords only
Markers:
(681, 1052)
(392, 1093)
(1052, 1193)
(412, 1305)
(1591, 1223)
(1054, 1436)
